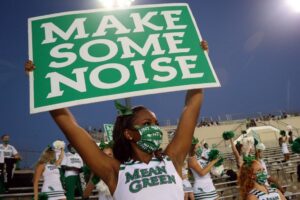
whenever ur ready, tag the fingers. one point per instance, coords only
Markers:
(29, 66)
(204, 45)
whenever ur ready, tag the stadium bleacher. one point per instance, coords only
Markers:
(285, 172)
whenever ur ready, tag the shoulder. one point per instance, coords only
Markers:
(11, 147)
(192, 161)
(40, 167)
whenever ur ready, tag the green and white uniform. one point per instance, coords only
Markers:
(72, 179)
(187, 186)
(271, 195)
(203, 185)
(52, 185)
(155, 180)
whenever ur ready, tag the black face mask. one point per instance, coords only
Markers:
(72, 150)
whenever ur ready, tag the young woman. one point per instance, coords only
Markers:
(135, 172)
(47, 166)
(252, 181)
(203, 185)
(72, 165)
(237, 152)
(283, 143)
(187, 186)
(259, 148)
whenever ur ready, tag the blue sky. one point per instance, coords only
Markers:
(254, 48)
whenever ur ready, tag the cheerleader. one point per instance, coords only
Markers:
(104, 193)
(252, 181)
(187, 187)
(47, 167)
(137, 171)
(283, 143)
(203, 185)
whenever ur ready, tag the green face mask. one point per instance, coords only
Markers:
(6, 142)
(151, 138)
(199, 152)
(261, 177)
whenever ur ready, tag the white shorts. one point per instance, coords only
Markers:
(54, 190)
(284, 148)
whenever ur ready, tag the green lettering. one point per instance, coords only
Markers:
(171, 179)
(146, 182)
(153, 171)
(135, 186)
(161, 170)
(154, 180)
(162, 179)
(132, 177)
(145, 173)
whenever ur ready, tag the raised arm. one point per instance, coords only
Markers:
(180, 145)
(193, 164)
(236, 154)
(102, 165)
(61, 157)
(37, 175)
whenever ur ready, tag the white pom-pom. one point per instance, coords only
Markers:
(260, 146)
(58, 144)
(217, 171)
(102, 188)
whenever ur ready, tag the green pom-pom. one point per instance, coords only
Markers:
(43, 196)
(213, 154)
(296, 145)
(95, 180)
(105, 145)
(227, 135)
(220, 162)
(282, 132)
(195, 140)
(248, 160)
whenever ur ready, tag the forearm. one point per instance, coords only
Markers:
(60, 158)
(84, 144)
(88, 190)
(35, 191)
(181, 143)
(17, 156)
(74, 133)
(234, 150)
(193, 164)
(208, 167)
(36, 178)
